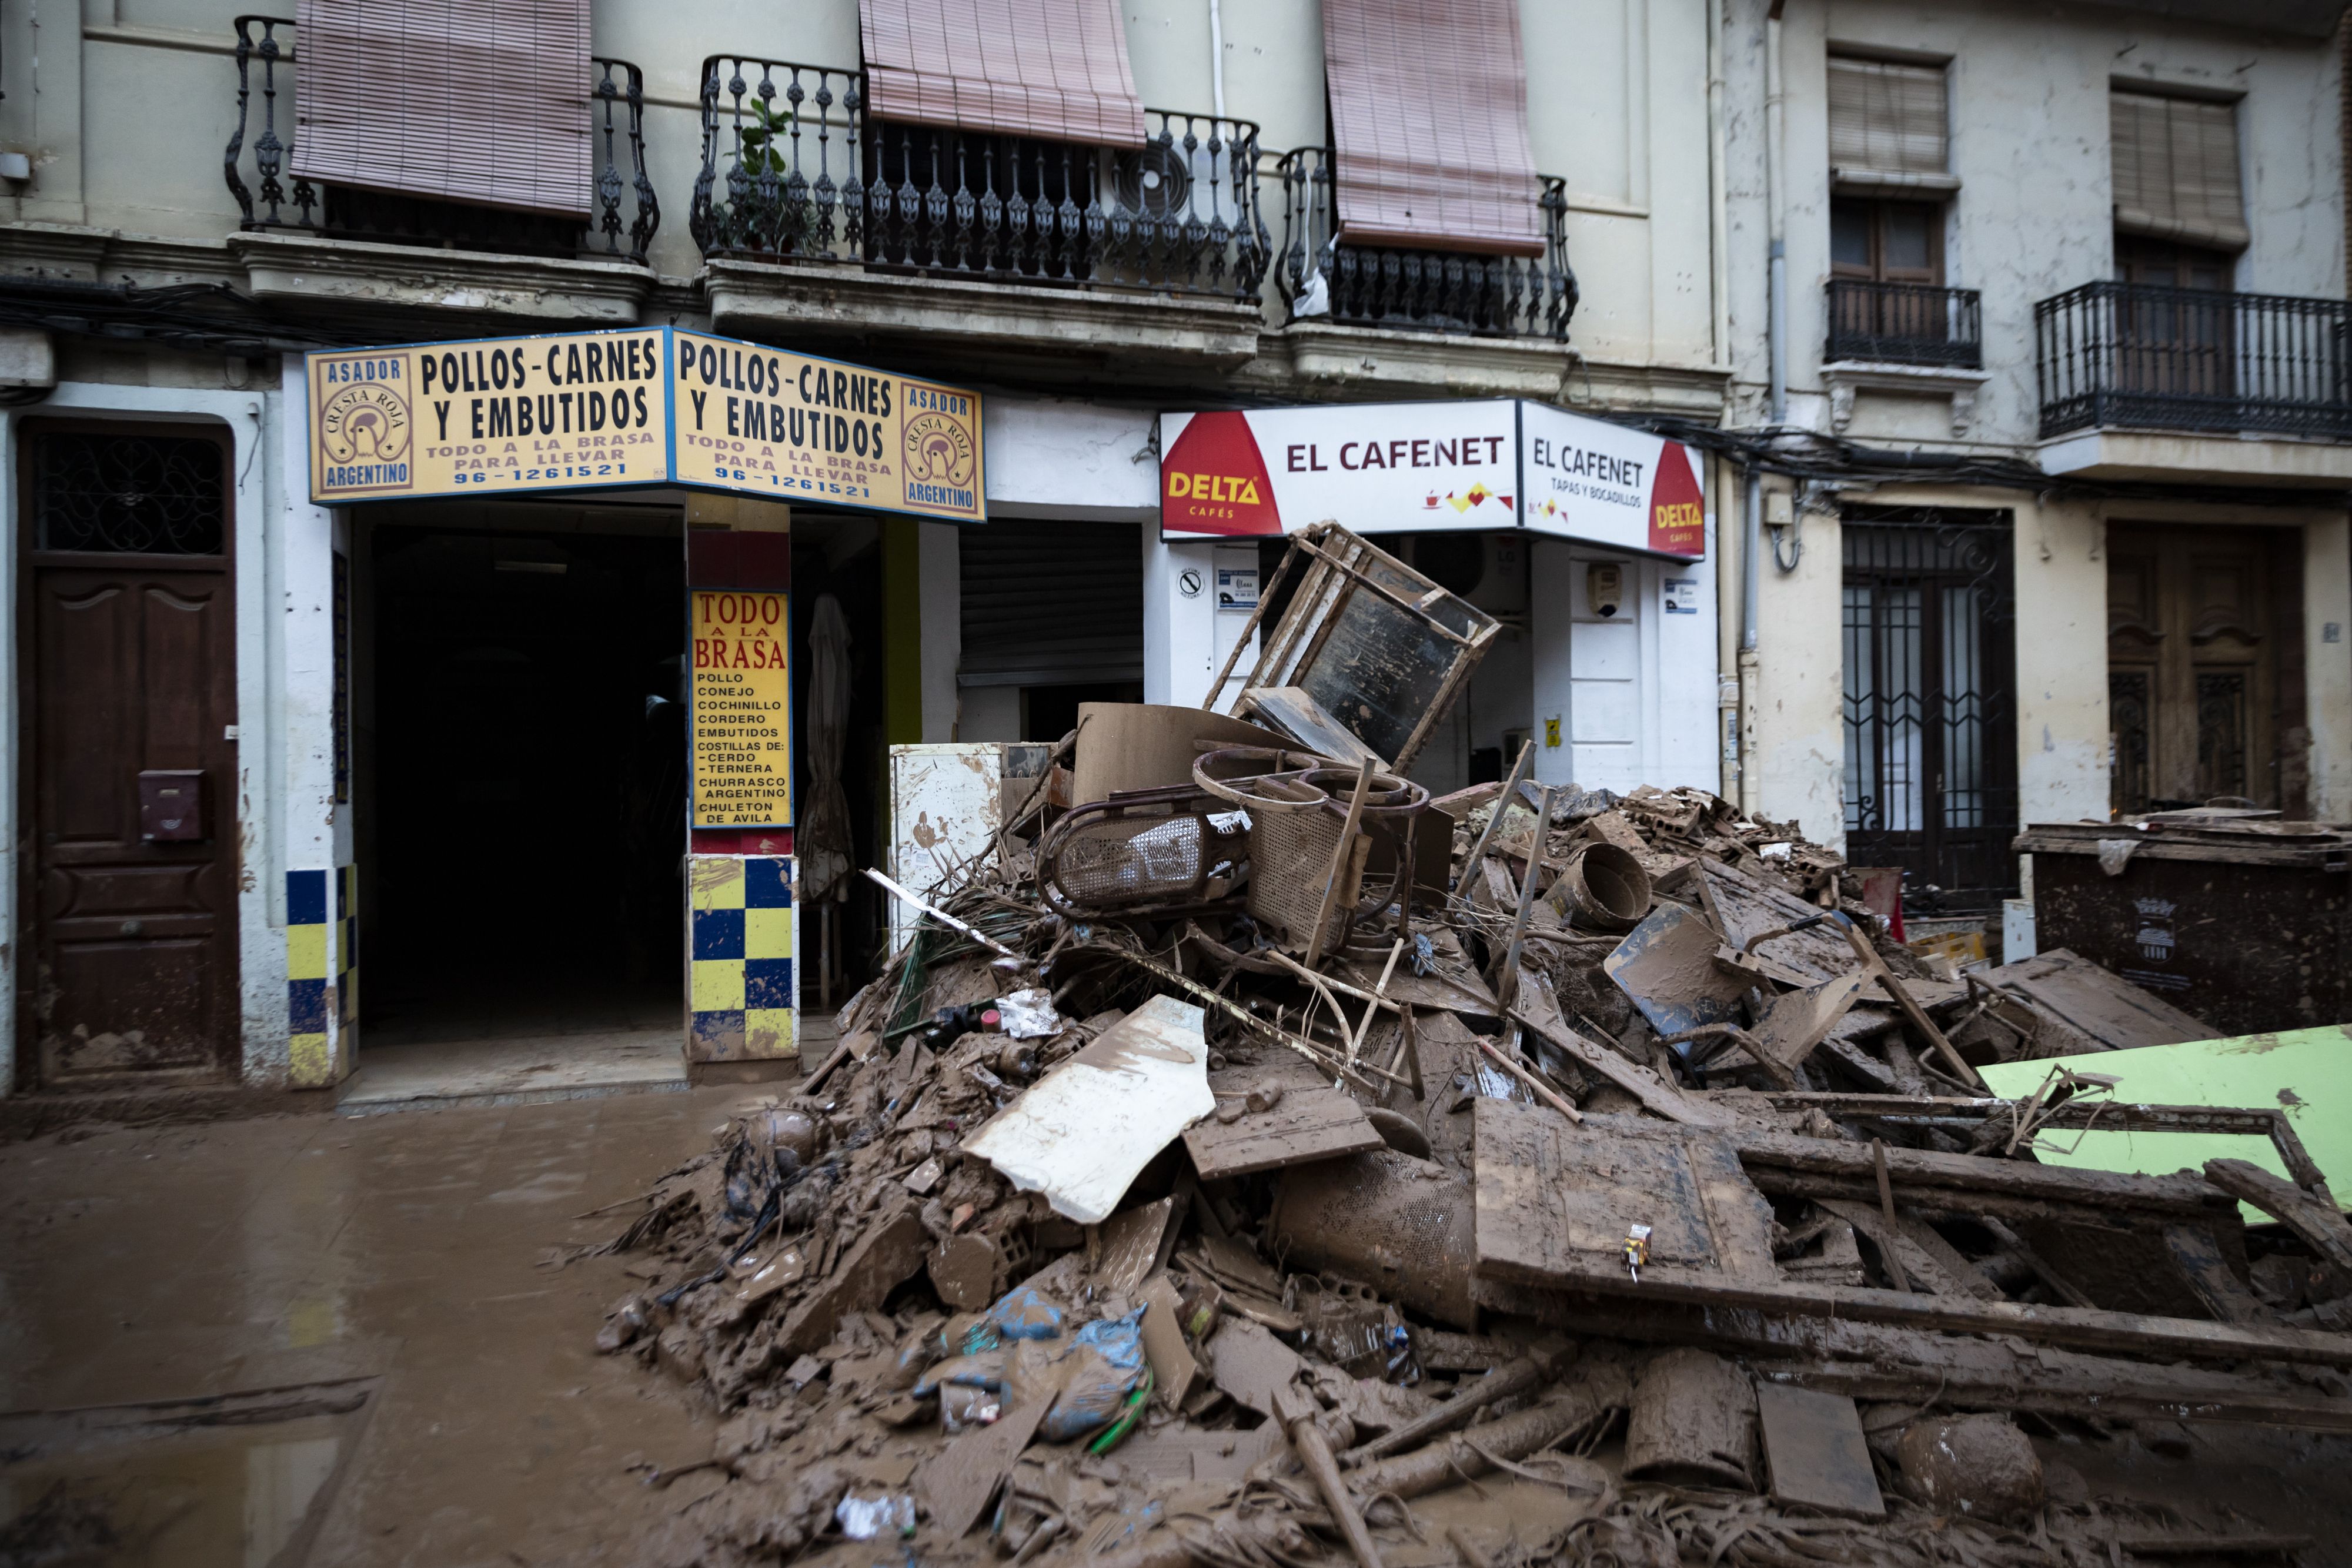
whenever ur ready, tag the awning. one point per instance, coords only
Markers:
(481, 101)
(1429, 125)
(1050, 68)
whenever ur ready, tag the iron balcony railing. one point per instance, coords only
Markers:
(2139, 355)
(1904, 324)
(794, 170)
(621, 227)
(1323, 277)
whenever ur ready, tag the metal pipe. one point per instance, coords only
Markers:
(1217, 60)
(1718, 191)
(1776, 187)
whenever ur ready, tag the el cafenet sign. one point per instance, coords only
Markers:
(1419, 466)
(639, 406)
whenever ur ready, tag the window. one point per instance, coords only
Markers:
(1887, 119)
(2170, 266)
(1887, 242)
(2176, 169)
(128, 492)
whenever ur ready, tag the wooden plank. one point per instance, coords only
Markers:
(1642, 1083)
(1875, 1362)
(1814, 1452)
(2209, 1276)
(1926, 1258)
(2108, 1009)
(2319, 1224)
(1307, 1125)
(1798, 1021)
(1745, 908)
(1556, 1199)
(1918, 1170)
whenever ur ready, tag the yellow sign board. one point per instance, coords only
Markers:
(743, 710)
(499, 417)
(633, 407)
(794, 428)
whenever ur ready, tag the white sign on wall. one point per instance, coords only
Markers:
(1410, 468)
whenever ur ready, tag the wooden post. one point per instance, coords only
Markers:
(1520, 772)
(1507, 975)
(1339, 857)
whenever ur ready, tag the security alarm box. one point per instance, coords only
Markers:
(172, 805)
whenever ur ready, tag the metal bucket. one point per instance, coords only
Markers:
(1604, 888)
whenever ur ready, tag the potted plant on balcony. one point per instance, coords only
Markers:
(769, 214)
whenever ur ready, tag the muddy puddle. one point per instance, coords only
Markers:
(240, 1481)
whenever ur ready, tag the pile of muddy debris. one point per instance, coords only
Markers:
(1251, 1160)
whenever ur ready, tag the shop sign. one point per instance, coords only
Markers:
(743, 712)
(639, 406)
(1412, 467)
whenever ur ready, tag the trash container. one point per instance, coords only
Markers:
(2243, 921)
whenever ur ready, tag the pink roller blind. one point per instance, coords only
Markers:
(483, 101)
(1052, 68)
(1429, 125)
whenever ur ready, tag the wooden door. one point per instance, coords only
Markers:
(2204, 664)
(128, 663)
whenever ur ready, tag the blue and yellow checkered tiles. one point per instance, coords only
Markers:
(741, 992)
(347, 952)
(317, 1050)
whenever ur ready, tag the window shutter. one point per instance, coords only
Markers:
(1888, 118)
(1429, 125)
(1050, 603)
(481, 101)
(2176, 169)
(1052, 69)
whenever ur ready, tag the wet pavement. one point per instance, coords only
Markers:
(301, 1253)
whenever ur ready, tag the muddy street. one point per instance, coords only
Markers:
(347, 1344)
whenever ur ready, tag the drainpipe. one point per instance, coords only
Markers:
(1718, 193)
(1217, 60)
(1777, 196)
(1751, 546)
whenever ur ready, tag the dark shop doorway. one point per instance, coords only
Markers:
(523, 765)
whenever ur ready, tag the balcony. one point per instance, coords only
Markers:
(1902, 340)
(810, 212)
(1323, 278)
(1904, 324)
(2136, 355)
(305, 240)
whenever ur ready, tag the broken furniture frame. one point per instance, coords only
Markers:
(1343, 624)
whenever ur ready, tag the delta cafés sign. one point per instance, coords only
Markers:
(1417, 466)
(639, 406)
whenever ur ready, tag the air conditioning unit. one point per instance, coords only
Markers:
(1488, 568)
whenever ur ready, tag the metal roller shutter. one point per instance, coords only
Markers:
(1052, 603)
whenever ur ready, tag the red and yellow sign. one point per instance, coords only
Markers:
(743, 710)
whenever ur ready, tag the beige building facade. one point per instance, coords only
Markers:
(438, 743)
(2039, 347)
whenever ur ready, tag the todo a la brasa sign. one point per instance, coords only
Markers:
(639, 406)
(743, 708)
